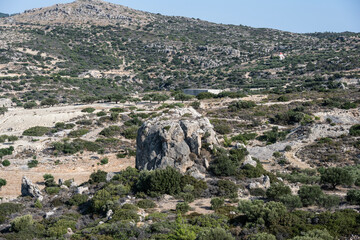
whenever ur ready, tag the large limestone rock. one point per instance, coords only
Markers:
(30, 189)
(173, 139)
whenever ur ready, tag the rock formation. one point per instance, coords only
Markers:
(30, 189)
(174, 139)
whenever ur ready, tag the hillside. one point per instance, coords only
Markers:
(134, 50)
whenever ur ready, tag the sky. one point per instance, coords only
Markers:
(300, 16)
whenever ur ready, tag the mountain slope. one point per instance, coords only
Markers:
(92, 39)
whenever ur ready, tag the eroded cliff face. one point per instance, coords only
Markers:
(174, 139)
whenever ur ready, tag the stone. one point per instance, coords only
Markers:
(49, 214)
(109, 214)
(261, 182)
(61, 181)
(30, 189)
(206, 163)
(249, 160)
(194, 172)
(266, 182)
(239, 145)
(172, 138)
(109, 176)
(81, 190)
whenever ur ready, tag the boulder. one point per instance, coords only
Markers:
(249, 160)
(30, 189)
(81, 190)
(261, 182)
(173, 139)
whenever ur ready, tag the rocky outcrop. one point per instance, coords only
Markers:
(173, 139)
(30, 189)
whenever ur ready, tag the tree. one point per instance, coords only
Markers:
(160, 97)
(336, 176)
(183, 97)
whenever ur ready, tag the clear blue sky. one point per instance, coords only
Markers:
(289, 15)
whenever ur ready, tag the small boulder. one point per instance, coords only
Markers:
(30, 189)
(250, 161)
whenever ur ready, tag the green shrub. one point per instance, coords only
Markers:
(283, 98)
(21, 223)
(49, 102)
(182, 207)
(38, 204)
(125, 215)
(257, 192)
(222, 128)
(244, 137)
(101, 114)
(131, 132)
(117, 110)
(355, 130)
(263, 236)
(52, 190)
(8, 208)
(215, 234)
(290, 201)
(59, 228)
(110, 131)
(226, 187)
(205, 95)
(2, 182)
(97, 177)
(30, 105)
(287, 148)
(239, 105)
(217, 203)
(309, 195)
(329, 201)
(160, 181)
(86, 122)
(195, 105)
(187, 197)
(78, 199)
(6, 163)
(33, 163)
(36, 131)
(277, 190)
(100, 200)
(146, 203)
(88, 110)
(353, 197)
(104, 161)
(317, 234)
(78, 133)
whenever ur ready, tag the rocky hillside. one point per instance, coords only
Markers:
(60, 46)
